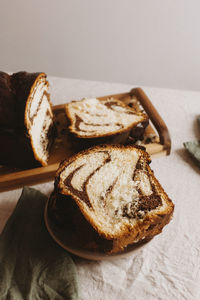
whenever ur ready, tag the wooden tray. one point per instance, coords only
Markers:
(157, 142)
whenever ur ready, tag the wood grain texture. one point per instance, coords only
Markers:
(63, 146)
(155, 117)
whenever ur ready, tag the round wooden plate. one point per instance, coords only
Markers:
(65, 238)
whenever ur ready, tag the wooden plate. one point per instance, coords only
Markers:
(65, 237)
(157, 142)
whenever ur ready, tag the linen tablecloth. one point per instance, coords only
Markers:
(168, 267)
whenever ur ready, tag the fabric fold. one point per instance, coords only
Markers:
(193, 148)
(32, 265)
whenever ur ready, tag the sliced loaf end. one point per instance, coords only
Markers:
(39, 119)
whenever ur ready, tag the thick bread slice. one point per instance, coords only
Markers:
(27, 119)
(117, 193)
(103, 120)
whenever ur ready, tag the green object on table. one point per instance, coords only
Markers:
(32, 265)
(193, 148)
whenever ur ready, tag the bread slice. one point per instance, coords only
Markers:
(27, 125)
(97, 121)
(117, 193)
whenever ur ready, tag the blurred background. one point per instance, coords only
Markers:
(144, 43)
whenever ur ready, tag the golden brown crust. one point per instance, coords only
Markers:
(147, 229)
(100, 147)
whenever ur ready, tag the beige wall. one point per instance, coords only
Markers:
(143, 42)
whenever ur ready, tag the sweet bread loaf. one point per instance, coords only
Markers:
(117, 193)
(26, 119)
(94, 121)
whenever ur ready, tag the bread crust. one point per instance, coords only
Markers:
(149, 226)
(16, 150)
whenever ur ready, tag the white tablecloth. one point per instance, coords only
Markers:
(168, 267)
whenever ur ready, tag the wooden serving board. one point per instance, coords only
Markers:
(157, 142)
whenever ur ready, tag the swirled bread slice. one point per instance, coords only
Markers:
(39, 118)
(101, 121)
(26, 119)
(117, 193)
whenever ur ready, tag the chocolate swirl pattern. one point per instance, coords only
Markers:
(140, 188)
(114, 187)
(77, 182)
(26, 113)
(92, 118)
(39, 119)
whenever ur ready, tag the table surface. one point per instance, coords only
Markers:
(168, 267)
